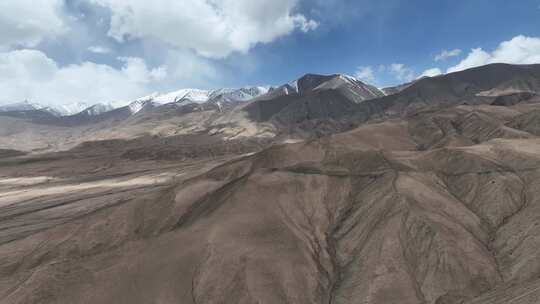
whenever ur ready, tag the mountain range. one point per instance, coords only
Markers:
(360, 91)
(184, 96)
(322, 190)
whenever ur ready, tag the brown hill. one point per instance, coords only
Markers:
(426, 196)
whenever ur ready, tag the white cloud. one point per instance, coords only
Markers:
(518, 50)
(392, 73)
(476, 57)
(401, 72)
(212, 28)
(185, 69)
(304, 24)
(99, 49)
(31, 75)
(365, 73)
(28, 22)
(431, 73)
(445, 54)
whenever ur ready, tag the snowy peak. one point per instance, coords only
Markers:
(72, 108)
(81, 108)
(349, 86)
(58, 110)
(186, 96)
(27, 106)
(197, 96)
(180, 97)
(97, 109)
(140, 104)
(21, 106)
(236, 95)
(300, 86)
(355, 89)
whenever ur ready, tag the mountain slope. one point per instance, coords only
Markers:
(476, 85)
(354, 225)
(303, 111)
(307, 194)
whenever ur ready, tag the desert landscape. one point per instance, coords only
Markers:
(322, 190)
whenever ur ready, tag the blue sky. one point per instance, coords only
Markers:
(65, 51)
(412, 33)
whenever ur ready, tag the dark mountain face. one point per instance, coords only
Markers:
(320, 98)
(497, 83)
(32, 115)
(290, 112)
(85, 118)
(396, 89)
(483, 85)
(477, 85)
(310, 81)
(41, 117)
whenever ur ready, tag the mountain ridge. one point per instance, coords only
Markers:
(321, 105)
(307, 194)
(186, 96)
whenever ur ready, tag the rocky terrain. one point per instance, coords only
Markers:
(323, 190)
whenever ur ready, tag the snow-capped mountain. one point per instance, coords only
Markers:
(232, 95)
(97, 109)
(187, 96)
(141, 103)
(21, 106)
(82, 107)
(355, 89)
(308, 83)
(26, 106)
(72, 108)
(181, 97)
(58, 110)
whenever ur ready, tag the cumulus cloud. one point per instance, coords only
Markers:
(304, 24)
(213, 29)
(518, 50)
(179, 39)
(392, 73)
(27, 22)
(365, 73)
(401, 72)
(445, 54)
(31, 75)
(431, 73)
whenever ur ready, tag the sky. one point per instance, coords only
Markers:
(67, 51)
